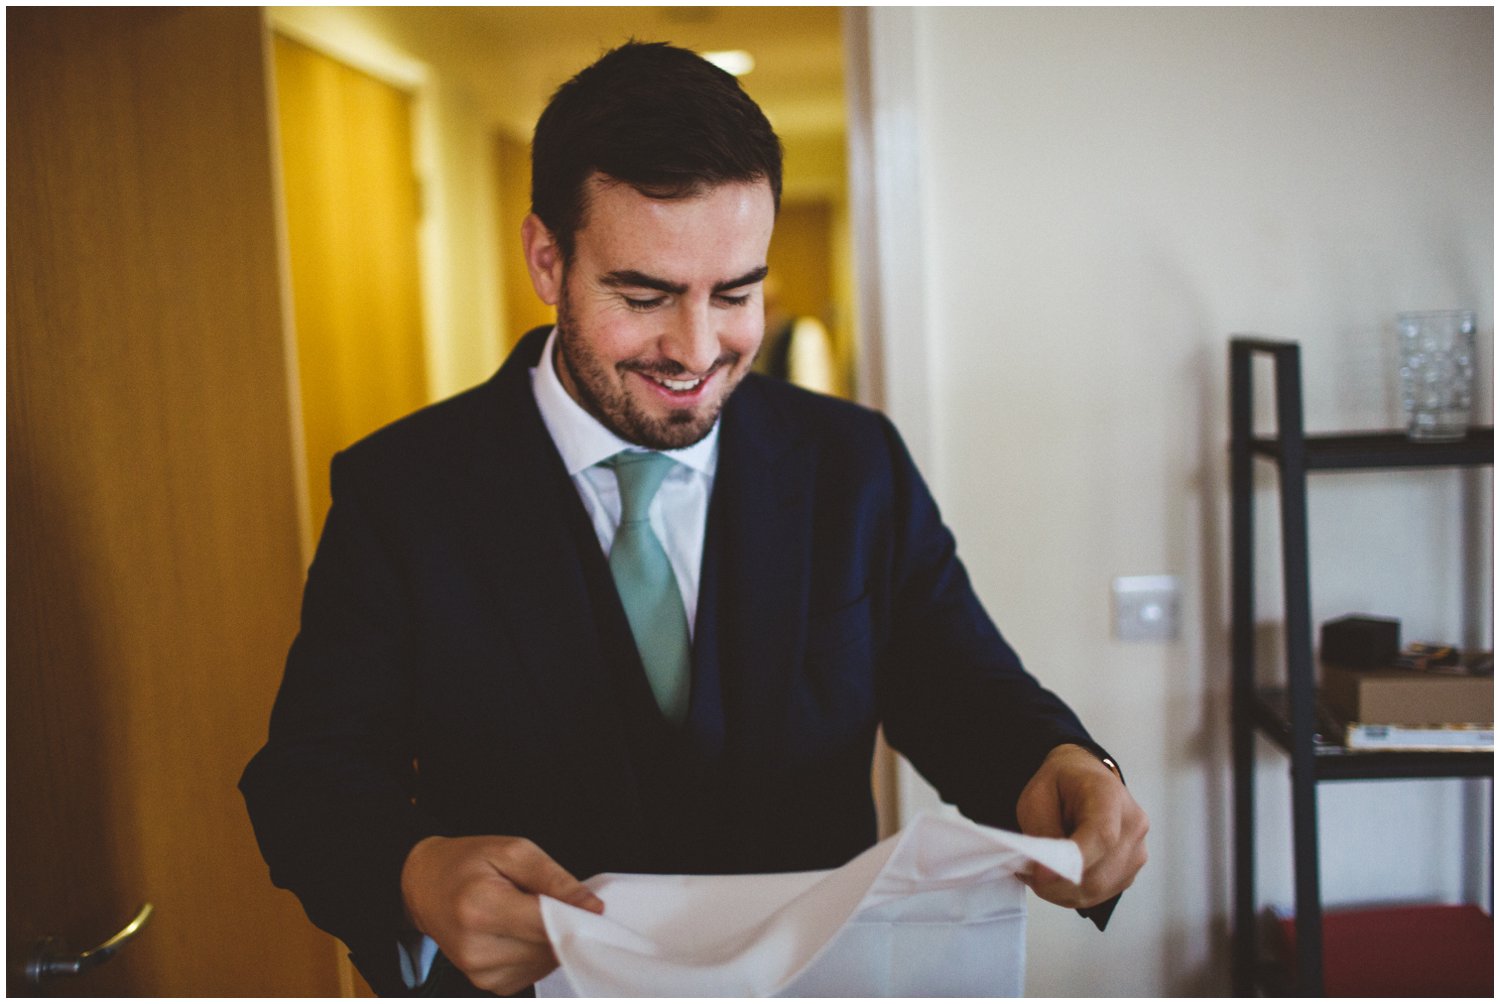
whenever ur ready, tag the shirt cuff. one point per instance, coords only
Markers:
(416, 952)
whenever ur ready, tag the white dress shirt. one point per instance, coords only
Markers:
(679, 512)
(679, 517)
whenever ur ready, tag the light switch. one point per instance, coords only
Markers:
(1147, 607)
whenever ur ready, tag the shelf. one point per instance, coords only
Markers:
(1332, 762)
(1384, 450)
(1312, 760)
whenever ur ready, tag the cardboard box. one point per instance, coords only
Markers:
(1407, 697)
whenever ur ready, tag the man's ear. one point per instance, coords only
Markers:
(544, 259)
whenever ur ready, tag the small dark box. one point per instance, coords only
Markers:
(1361, 641)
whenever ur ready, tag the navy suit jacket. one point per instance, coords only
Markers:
(451, 671)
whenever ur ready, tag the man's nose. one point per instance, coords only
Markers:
(693, 341)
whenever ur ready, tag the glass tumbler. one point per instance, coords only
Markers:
(1437, 372)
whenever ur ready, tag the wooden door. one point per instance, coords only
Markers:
(352, 211)
(153, 548)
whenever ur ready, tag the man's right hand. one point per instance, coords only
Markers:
(477, 898)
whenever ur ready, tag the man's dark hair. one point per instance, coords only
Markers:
(661, 119)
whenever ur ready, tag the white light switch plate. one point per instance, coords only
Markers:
(1147, 607)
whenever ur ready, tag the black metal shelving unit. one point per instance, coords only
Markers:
(1288, 716)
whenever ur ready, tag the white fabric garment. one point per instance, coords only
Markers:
(936, 910)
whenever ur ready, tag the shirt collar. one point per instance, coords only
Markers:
(582, 440)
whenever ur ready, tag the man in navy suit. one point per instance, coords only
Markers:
(468, 720)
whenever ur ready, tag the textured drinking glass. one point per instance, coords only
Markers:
(1437, 372)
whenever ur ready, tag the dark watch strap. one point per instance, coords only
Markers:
(1101, 912)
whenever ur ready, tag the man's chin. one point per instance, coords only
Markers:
(674, 432)
(646, 422)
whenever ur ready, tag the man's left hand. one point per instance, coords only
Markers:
(1074, 795)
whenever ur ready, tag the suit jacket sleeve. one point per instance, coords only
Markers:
(330, 793)
(955, 698)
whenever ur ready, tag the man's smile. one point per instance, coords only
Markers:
(680, 390)
(660, 310)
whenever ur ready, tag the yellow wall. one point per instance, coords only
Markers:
(473, 196)
(352, 217)
(457, 268)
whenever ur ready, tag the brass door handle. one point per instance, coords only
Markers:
(48, 960)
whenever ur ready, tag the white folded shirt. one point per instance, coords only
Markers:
(935, 910)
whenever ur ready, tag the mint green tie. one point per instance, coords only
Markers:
(648, 589)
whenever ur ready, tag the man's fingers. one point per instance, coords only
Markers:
(533, 871)
(507, 912)
(478, 898)
(1095, 834)
(1074, 795)
(1039, 811)
(514, 975)
(1056, 889)
(506, 981)
(502, 965)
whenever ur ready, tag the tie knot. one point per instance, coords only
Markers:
(640, 475)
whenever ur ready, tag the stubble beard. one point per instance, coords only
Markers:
(603, 395)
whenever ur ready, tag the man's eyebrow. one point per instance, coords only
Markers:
(748, 279)
(630, 277)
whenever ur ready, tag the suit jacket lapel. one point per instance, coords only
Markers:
(752, 616)
(528, 527)
(761, 522)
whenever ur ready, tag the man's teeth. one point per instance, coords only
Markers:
(679, 385)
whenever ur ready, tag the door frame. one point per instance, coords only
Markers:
(890, 261)
(895, 316)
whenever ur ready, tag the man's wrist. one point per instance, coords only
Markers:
(1109, 762)
(1097, 752)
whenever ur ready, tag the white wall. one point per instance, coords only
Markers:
(1105, 196)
